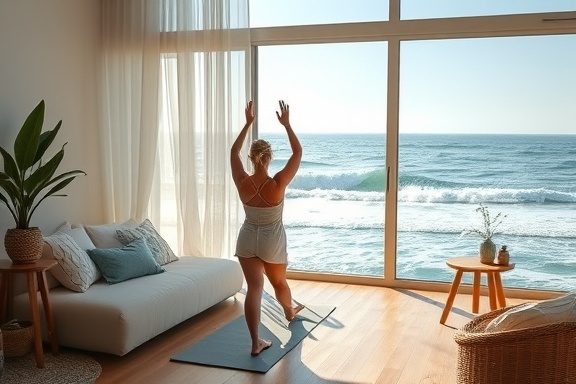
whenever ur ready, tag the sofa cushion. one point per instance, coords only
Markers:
(104, 235)
(75, 269)
(79, 235)
(529, 315)
(117, 318)
(128, 262)
(159, 247)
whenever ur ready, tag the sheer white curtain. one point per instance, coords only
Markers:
(130, 86)
(176, 80)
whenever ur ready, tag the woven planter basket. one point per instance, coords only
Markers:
(538, 355)
(23, 246)
(18, 338)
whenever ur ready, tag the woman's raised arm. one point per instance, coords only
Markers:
(238, 172)
(284, 176)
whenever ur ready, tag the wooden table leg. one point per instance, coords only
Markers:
(4, 298)
(33, 297)
(7, 297)
(43, 284)
(10, 296)
(476, 293)
(491, 290)
(451, 296)
(499, 290)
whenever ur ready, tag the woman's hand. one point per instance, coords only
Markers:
(249, 112)
(284, 115)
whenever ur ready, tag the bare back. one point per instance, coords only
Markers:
(257, 191)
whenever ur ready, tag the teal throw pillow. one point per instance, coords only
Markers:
(130, 261)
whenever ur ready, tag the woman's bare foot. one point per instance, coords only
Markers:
(262, 345)
(294, 311)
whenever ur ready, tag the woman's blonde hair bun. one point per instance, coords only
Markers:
(260, 149)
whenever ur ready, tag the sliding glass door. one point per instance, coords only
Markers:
(334, 208)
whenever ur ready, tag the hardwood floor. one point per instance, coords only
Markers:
(375, 335)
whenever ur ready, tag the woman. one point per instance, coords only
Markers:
(261, 245)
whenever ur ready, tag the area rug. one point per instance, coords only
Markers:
(66, 368)
(229, 346)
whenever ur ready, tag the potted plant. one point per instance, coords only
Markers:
(27, 180)
(489, 225)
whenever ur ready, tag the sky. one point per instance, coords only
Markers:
(489, 85)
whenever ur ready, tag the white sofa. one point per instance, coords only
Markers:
(116, 318)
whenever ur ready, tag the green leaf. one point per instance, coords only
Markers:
(74, 173)
(10, 167)
(11, 189)
(46, 139)
(51, 192)
(59, 186)
(26, 144)
(41, 176)
(70, 174)
(5, 201)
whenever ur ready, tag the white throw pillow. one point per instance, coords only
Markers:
(529, 315)
(78, 233)
(161, 251)
(104, 235)
(75, 270)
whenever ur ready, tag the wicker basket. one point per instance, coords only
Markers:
(18, 338)
(538, 355)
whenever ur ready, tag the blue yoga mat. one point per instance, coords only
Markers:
(229, 346)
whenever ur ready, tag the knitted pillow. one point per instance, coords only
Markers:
(160, 249)
(75, 270)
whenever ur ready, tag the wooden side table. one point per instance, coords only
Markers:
(36, 278)
(473, 264)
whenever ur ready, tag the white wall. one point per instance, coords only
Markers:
(50, 50)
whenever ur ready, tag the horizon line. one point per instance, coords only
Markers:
(426, 133)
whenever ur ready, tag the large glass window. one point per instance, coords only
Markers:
(488, 121)
(334, 208)
(485, 116)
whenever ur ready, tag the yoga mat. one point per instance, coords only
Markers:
(229, 346)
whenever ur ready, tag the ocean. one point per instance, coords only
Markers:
(334, 207)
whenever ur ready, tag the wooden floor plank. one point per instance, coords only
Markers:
(375, 335)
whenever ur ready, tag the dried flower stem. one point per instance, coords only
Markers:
(489, 225)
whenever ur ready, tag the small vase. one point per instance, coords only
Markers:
(487, 251)
(503, 256)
